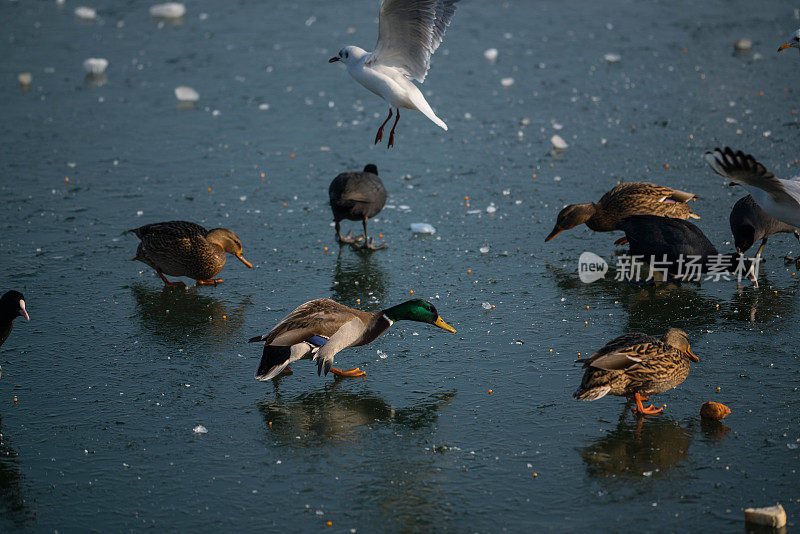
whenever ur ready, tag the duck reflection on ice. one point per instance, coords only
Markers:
(13, 504)
(358, 276)
(174, 315)
(332, 413)
(638, 446)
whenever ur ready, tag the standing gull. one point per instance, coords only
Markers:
(779, 198)
(409, 32)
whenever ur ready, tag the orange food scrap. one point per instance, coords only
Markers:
(702, 76)
(329, 523)
(326, 249)
(380, 235)
(284, 204)
(16, 400)
(209, 189)
(66, 179)
(719, 389)
(291, 155)
(490, 392)
(224, 317)
(263, 175)
(411, 292)
(534, 176)
(535, 474)
(358, 301)
(684, 50)
(270, 424)
(714, 410)
(469, 271)
(585, 323)
(666, 166)
(761, 93)
(776, 291)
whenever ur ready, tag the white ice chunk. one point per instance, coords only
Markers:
(558, 142)
(490, 54)
(612, 58)
(184, 93)
(95, 65)
(486, 306)
(85, 13)
(507, 82)
(170, 10)
(25, 78)
(422, 228)
(200, 429)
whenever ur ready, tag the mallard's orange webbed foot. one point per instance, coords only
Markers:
(649, 410)
(209, 282)
(167, 283)
(348, 373)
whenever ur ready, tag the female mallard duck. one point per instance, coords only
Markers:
(637, 366)
(632, 198)
(320, 328)
(12, 305)
(180, 248)
(357, 196)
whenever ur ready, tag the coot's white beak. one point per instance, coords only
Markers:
(22, 311)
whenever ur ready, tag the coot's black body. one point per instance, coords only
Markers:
(12, 305)
(655, 237)
(357, 196)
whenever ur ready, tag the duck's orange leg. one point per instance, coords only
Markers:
(348, 373)
(167, 283)
(650, 410)
(209, 282)
(621, 241)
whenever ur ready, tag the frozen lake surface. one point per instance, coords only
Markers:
(112, 373)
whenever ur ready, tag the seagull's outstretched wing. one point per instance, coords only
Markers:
(744, 169)
(409, 32)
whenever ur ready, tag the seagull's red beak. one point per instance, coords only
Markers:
(334, 59)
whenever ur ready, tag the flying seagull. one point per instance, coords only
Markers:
(779, 198)
(409, 32)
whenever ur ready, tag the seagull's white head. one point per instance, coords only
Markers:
(349, 55)
(794, 42)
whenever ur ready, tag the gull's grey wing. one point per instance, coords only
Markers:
(409, 32)
(743, 168)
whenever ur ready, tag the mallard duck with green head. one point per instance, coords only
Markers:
(637, 366)
(181, 248)
(320, 328)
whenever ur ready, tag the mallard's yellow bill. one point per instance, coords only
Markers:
(444, 326)
(241, 259)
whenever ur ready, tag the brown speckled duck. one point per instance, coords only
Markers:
(637, 366)
(181, 248)
(631, 198)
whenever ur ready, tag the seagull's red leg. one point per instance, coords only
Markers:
(391, 134)
(379, 135)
